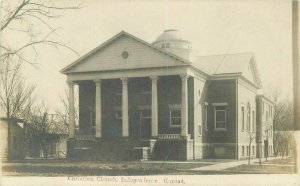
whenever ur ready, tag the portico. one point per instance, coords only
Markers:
(131, 98)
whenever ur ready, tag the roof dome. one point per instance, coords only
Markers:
(168, 35)
(172, 41)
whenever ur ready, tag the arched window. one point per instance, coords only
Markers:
(248, 116)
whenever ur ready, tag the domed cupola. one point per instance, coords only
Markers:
(172, 41)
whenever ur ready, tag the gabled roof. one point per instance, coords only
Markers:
(120, 34)
(212, 65)
(229, 64)
(225, 63)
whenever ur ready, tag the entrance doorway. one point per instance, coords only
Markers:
(145, 123)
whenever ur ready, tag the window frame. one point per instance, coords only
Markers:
(200, 132)
(243, 117)
(145, 117)
(174, 107)
(215, 115)
(247, 150)
(248, 117)
(92, 120)
(243, 150)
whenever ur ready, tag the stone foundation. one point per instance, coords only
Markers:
(126, 149)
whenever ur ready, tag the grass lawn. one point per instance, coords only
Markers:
(263, 169)
(276, 166)
(96, 168)
(65, 168)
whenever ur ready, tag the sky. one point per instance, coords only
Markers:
(213, 27)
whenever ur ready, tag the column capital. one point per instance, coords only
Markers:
(184, 76)
(97, 81)
(124, 80)
(70, 83)
(154, 78)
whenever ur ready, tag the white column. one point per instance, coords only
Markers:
(184, 106)
(125, 128)
(98, 109)
(154, 111)
(71, 110)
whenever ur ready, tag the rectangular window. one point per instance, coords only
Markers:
(271, 111)
(247, 151)
(243, 151)
(266, 115)
(175, 118)
(271, 131)
(199, 129)
(220, 117)
(168, 45)
(243, 118)
(145, 113)
(92, 119)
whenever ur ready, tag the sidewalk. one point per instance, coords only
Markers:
(223, 166)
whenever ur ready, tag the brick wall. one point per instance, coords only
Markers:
(222, 91)
(219, 150)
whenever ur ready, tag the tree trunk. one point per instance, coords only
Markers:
(249, 151)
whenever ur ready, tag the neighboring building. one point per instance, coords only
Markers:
(162, 100)
(12, 139)
(46, 140)
(265, 130)
(21, 141)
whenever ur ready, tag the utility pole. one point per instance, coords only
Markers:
(296, 77)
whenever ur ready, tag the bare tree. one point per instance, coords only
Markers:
(251, 137)
(16, 97)
(283, 124)
(44, 128)
(29, 19)
(63, 113)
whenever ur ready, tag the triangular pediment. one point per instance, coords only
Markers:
(122, 52)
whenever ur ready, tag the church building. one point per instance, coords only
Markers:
(162, 101)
